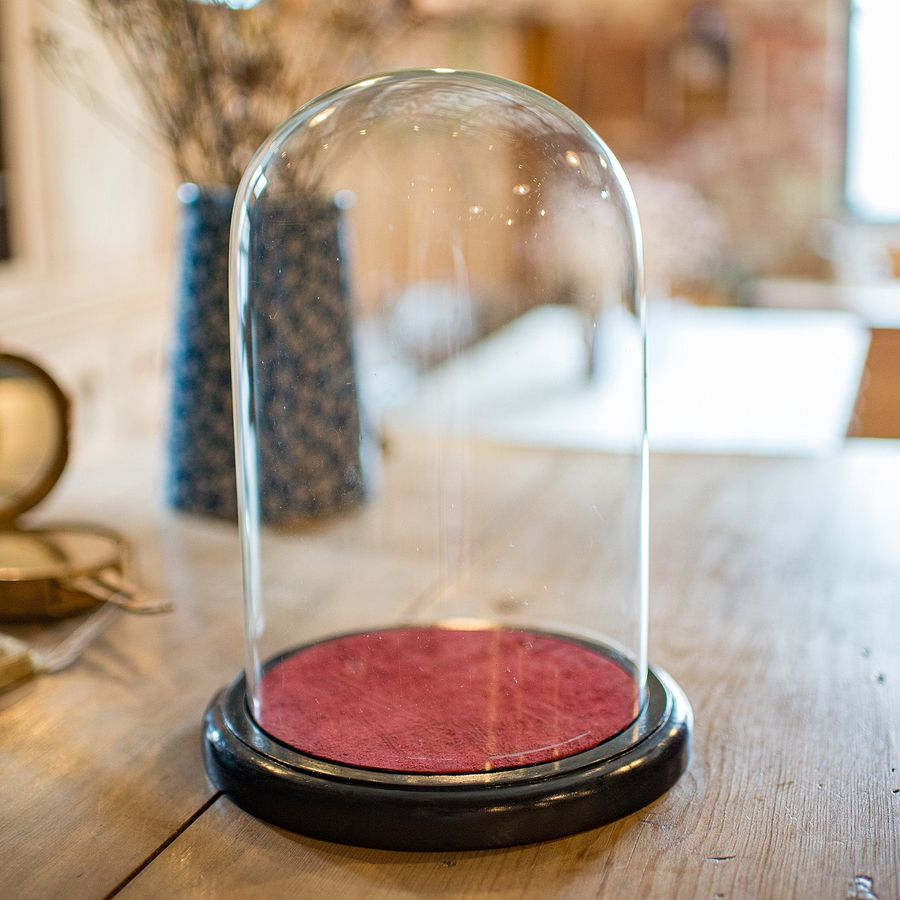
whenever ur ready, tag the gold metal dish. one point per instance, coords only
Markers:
(54, 570)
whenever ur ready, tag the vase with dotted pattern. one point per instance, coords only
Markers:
(304, 388)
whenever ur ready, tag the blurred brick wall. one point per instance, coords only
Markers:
(743, 99)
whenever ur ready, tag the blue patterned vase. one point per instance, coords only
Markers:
(306, 413)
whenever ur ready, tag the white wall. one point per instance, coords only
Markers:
(88, 292)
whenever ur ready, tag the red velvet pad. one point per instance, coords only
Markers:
(445, 701)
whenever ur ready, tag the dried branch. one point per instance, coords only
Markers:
(215, 81)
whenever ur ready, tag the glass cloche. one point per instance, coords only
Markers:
(440, 404)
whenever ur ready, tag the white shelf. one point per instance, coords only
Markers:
(720, 381)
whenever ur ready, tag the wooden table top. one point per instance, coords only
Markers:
(775, 603)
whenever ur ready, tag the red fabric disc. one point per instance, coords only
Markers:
(446, 701)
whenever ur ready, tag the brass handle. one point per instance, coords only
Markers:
(111, 586)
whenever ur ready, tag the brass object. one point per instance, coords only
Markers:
(52, 571)
(34, 435)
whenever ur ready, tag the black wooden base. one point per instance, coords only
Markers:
(448, 812)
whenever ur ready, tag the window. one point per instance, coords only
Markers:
(872, 186)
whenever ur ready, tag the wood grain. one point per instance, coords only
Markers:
(101, 764)
(776, 593)
(877, 412)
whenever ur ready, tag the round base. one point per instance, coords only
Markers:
(446, 701)
(389, 810)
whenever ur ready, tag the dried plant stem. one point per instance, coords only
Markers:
(214, 81)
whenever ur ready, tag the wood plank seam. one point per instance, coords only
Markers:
(163, 846)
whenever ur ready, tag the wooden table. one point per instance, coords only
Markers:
(775, 603)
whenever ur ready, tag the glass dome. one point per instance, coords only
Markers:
(440, 402)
